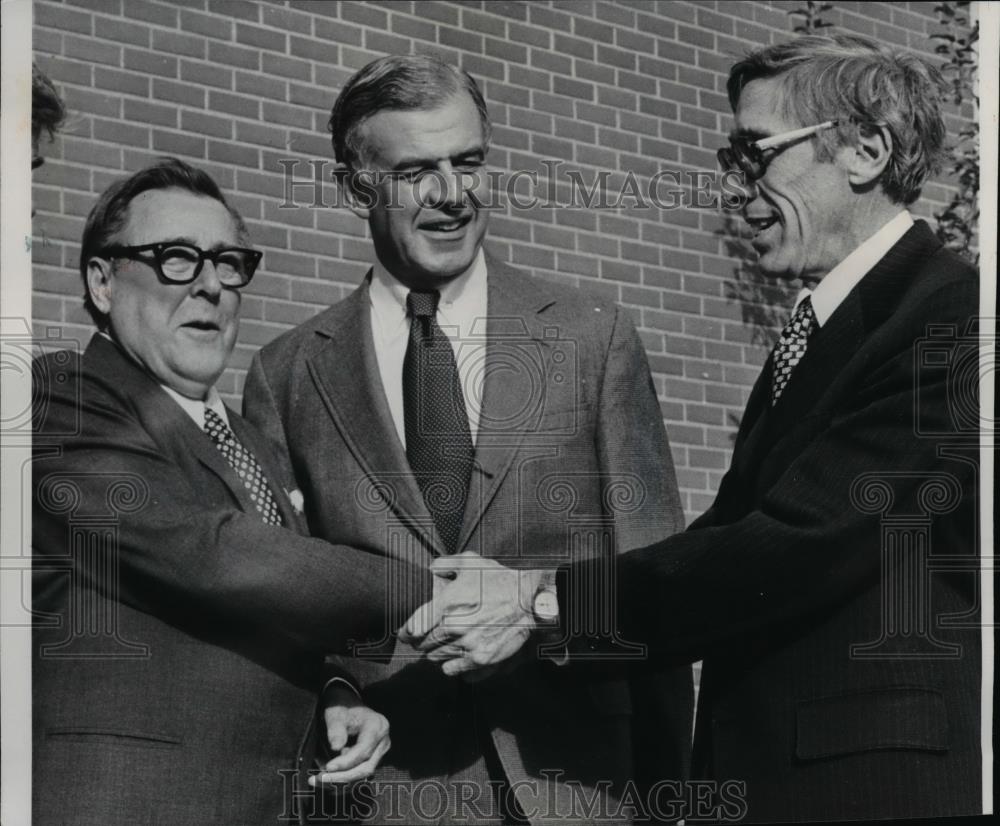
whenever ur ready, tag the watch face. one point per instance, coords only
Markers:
(546, 606)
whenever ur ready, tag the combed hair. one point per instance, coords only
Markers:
(48, 112)
(861, 83)
(397, 82)
(110, 214)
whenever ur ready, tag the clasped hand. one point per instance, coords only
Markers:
(478, 617)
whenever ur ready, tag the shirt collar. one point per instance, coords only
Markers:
(834, 288)
(195, 408)
(463, 298)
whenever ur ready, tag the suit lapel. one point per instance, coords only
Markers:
(165, 418)
(345, 371)
(754, 423)
(873, 300)
(515, 378)
(276, 476)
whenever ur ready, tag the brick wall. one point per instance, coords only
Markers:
(629, 87)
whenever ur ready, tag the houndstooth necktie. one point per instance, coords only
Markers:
(245, 465)
(791, 347)
(438, 438)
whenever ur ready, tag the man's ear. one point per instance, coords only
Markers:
(357, 189)
(99, 275)
(868, 155)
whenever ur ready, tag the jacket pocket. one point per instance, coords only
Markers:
(885, 718)
(146, 739)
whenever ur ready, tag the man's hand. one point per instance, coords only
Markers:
(480, 614)
(358, 735)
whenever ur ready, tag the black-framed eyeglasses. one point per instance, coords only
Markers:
(752, 157)
(182, 263)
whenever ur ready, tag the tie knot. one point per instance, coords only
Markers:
(803, 320)
(215, 425)
(422, 304)
(805, 308)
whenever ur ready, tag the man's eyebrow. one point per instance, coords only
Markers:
(179, 239)
(192, 242)
(408, 163)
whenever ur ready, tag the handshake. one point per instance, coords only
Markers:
(481, 614)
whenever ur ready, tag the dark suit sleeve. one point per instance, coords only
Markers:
(181, 558)
(803, 545)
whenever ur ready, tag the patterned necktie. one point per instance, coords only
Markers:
(791, 347)
(438, 439)
(245, 465)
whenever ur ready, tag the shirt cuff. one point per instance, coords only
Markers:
(340, 681)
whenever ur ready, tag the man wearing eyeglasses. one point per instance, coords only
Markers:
(831, 588)
(182, 614)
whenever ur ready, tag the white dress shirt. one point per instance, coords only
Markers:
(195, 408)
(835, 286)
(461, 314)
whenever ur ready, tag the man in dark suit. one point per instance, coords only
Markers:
(181, 614)
(450, 404)
(831, 588)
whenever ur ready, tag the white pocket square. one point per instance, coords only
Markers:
(297, 500)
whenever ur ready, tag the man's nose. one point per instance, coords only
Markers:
(448, 189)
(207, 282)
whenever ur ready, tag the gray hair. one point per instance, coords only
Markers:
(862, 84)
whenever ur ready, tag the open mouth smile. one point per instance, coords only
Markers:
(447, 224)
(203, 326)
(759, 225)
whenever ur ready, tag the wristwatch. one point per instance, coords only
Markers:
(545, 606)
